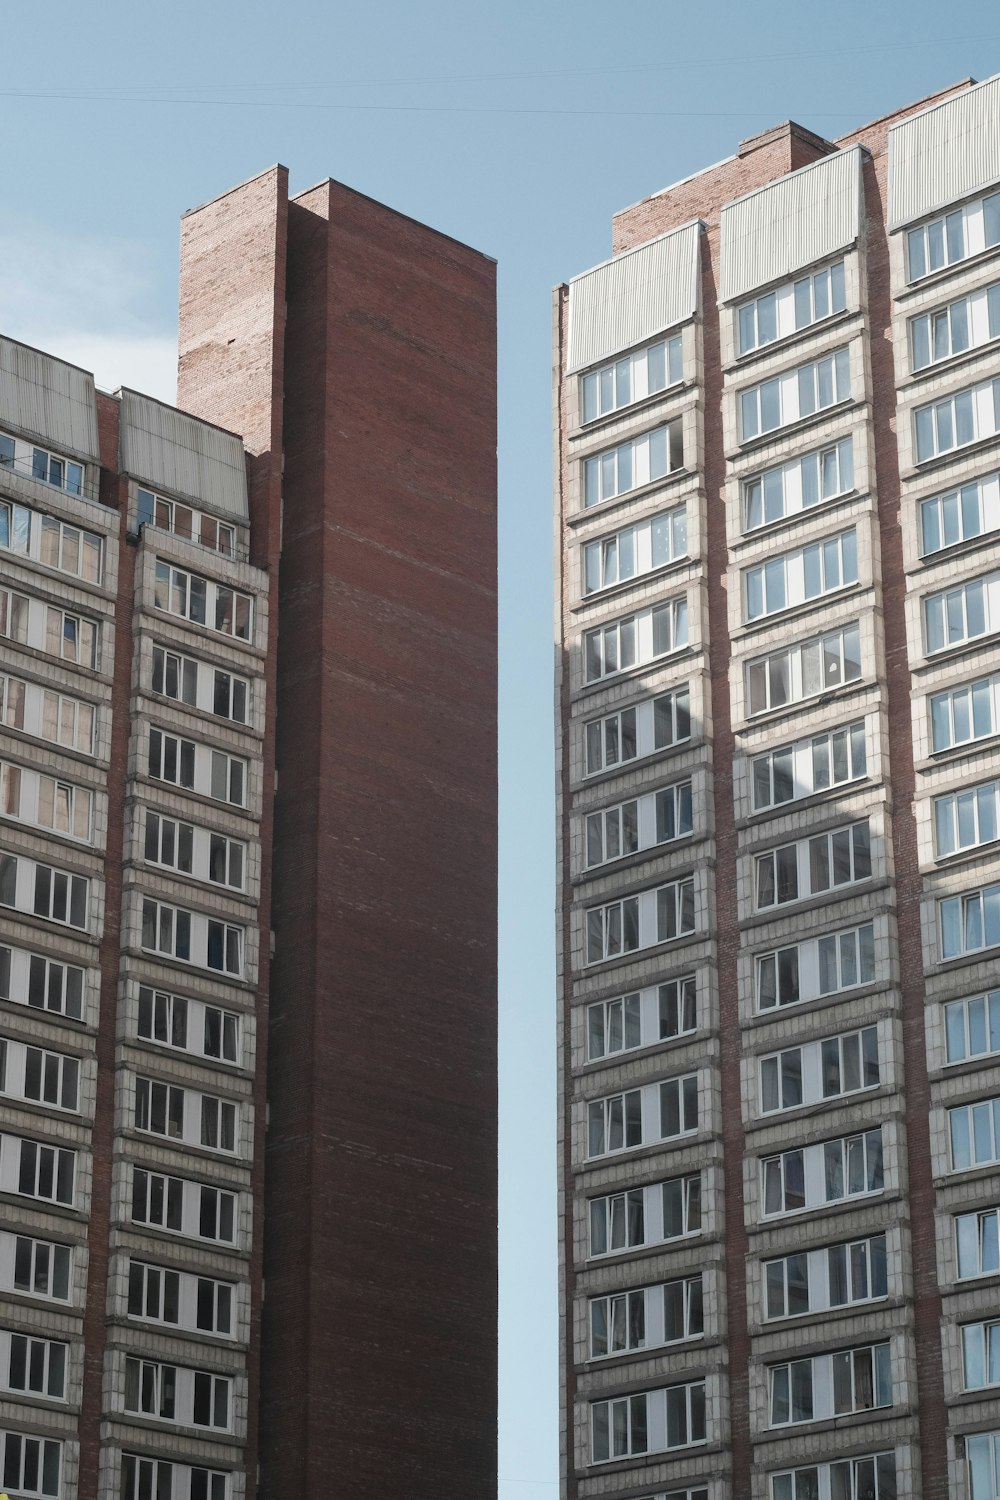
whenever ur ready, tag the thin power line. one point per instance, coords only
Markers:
(433, 109)
(662, 65)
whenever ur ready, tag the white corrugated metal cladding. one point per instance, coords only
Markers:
(945, 153)
(49, 400)
(182, 456)
(802, 218)
(633, 297)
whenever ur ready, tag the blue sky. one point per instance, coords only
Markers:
(519, 128)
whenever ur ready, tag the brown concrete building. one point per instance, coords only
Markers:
(778, 499)
(248, 880)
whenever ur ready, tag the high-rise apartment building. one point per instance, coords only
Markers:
(247, 880)
(778, 418)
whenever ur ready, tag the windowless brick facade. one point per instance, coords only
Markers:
(778, 419)
(247, 880)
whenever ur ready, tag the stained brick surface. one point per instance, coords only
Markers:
(380, 1314)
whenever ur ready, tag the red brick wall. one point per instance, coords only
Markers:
(379, 1375)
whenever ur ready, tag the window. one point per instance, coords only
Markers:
(819, 1070)
(163, 1018)
(816, 1280)
(31, 797)
(183, 1207)
(159, 1108)
(812, 765)
(214, 1306)
(967, 323)
(183, 520)
(168, 842)
(977, 1242)
(613, 1026)
(938, 335)
(617, 1222)
(635, 640)
(652, 1215)
(41, 1268)
(151, 1389)
(12, 694)
(640, 921)
(55, 987)
(47, 540)
(624, 1426)
(956, 421)
(638, 1020)
(171, 759)
(226, 861)
(31, 1466)
(784, 491)
(972, 1027)
(51, 1078)
(849, 1479)
(225, 948)
(807, 1390)
(632, 378)
(153, 1293)
(798, 577)
(804, 671)
(632, 1320)
(630, 465)
(970, 923)
(202, 601)
(981, 1355)
(175, 676)
(55, 895)
(218, 1124)
(796, 394)
(961, 715)
(166, 930)
(211, 1400)
(679, 1107)
(67, 721)
(656, 724)
(230, 697)
(951, 237)
(655, 818)
(70, 636)
(961, 614)
(966, 819)
(982, 1452)
(64, 808)
(228, 778)
(635, 550)
(681, 1207)
(70, 549)
(796, 305)
(153, 1479)
(46, 1172)
(221, 1034)
(209, 1484)
(61, 897)
(157, 1200)
(809, 1176)
(823, 863)
(61, 473)
(974, 1131)
(13, 616)
(37, 1367)
(614, 1124)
